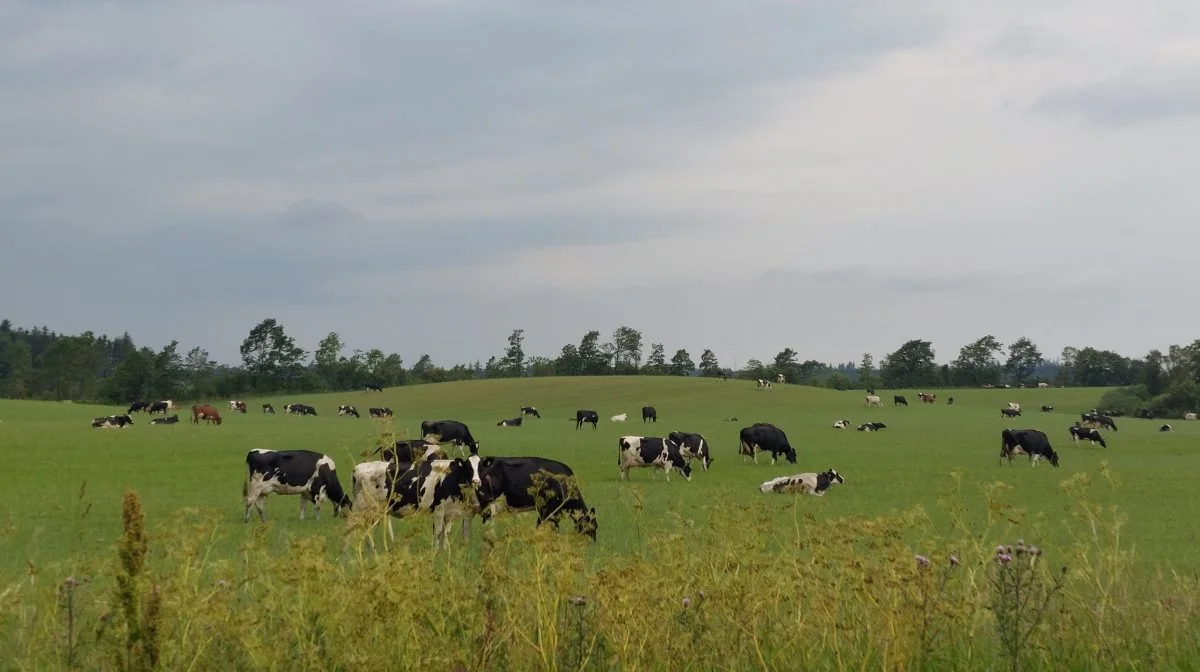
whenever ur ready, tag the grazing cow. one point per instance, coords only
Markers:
(927, 398)
(1047, 408)
(650, 451)
(1087, 434)
(374, 387)
(521, 484)
(1105, 421)
(268, 409)
(871, 427)
(369, 487)
(530, 410)
(582, 416)
(1042, 386)
(300, 409)
(1031, 442)
(780, 379)
(692, 447)
(1189, 416)
(899, 400)
(1009, 412)
(348, 410)
(873, 400)
(950, 401)
(809, 483)
(648, 413)
(112, 421)
(311, 475)
(1145, 414)
(379, 412)
(205, 412)
(764, 384)
(622, 417)
(1014, 405)
(842, 424)
(233, 404)
(1165, 428)
(159, 407)
(764, 437)
(450, 431)
(174, 419)
(138, 406)
(444, 488)
(511, 422)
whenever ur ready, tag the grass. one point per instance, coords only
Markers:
(928, 484)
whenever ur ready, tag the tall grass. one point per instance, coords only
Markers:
(736, 592)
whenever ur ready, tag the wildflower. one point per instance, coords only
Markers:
(222, 583)
(687, 602)
(1035, 551)
(1004, 558)
(577, 600)
(70, 581)
(999, 550)
(954, 561)
(922, 561)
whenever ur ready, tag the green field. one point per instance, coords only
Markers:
(50, 451)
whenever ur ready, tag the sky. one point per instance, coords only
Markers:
(425, 176)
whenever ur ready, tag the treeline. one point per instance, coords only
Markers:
(41, 364)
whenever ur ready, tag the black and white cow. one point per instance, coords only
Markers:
(410, 451)
(374, 387)
(113, 422)
(1046, 408)
(268, 409)
(348, 410)
(138, 406)
(299, 409)
(763, 383)
(159, 407)
(1106, 421)
(1079, 433)
(379, 412)
(582, 416)
(237, 406)
(899, 400)
(1031, 442)
(692, 447)
(871, 427)
(648, 413)
(309, 474)
(530, 410)
(842, 424)
(510, 422)
(450, 431)
(1009, 412)
(173, 420)
(1165, 428)
(533, 483)
(765, 437)
(650, 451)
(810, 483)
(444, 488)
(950, 401)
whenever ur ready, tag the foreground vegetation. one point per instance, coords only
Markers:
(704, 575)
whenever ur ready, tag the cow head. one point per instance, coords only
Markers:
(791, 456)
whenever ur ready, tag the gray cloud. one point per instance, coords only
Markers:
(1137, 96)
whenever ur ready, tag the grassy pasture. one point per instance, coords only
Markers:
(49, 450)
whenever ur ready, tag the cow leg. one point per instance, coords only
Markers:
(303, 506)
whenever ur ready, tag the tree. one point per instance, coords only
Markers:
(1066, 367)
(327, 360)
(198, 369)
(423, 369)
(627, 350)
(270, 355)
(785, 363)
(568, 363)
(682, 364)
(1153, 374)
(1023, 359)
(708, 364)
(865, 376)
(16, 367)
(593, 360)
(656, 364)
(910, 366)
(837, 381)
(514, 355)
(976, 363)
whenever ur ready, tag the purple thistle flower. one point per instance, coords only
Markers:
(687, 602)
(954, 561)
(922, 561)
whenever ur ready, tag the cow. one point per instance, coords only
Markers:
(1145, 414)
(268, 409)
(374, 387)
(765, 437)
(1189, 416)
(205, 412)
(1165, 428)
(871, 427)
(648, 413)
(348, 410)
(809, 483)
(763, 383)
(450, 431)
(582, 416)
(1009, 412)
(899, 400)
(233, 404)
(1042, 386)
(444, 488)
(842, 424)
(521, 484)
(138, 406)
(1087, 434)
(692, 447)
(379, 412)
(874, 400)
(650, 451)
(113, 422)
(409, 451)
(780, 379)
(309, 474)
(174, 419)
(369, 487)
(1046, 408)
(530, 410)
(1031, 442)
(621, 417)
(927, 398)
(1014, 405)
(159, 407)
(299, 409)
(511, 422)
(950, 401)
(1104, 421)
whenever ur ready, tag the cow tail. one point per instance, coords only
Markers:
(246, 484)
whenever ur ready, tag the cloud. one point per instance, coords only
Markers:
(1134, 97)
(309, 214)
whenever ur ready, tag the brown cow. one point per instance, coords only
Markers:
(206, 412)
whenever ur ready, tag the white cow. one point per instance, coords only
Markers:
(780, 379)
(620, 418)
(809, 483)
(1042, 386)
(841, 424)
(874, 400)
(763, 383)
(369, 485)
(1189, 416)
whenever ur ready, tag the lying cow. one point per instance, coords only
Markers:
(692, 447)
(379, 412)
(311, 475)
(842, 424)
(1031, 442)
(112, 421)
(871, 427)
(510, 422)
(650, 451)
(1165, 428)
(268, 409)
(1009, 412)
(1046, 408)
(1079, 433)
(765, 437)
(174, 419)
(808, 483)
(533, 483)
(619, 418)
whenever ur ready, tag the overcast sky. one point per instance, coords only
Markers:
(836, 176)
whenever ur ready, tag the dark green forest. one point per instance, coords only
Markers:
(41, 364)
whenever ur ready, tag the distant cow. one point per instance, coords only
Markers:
(520, 484)
(1087, 434)
(1105, 421)
(348, 410)
(1031, 442)
(299, 409)
(874, 400)
(112, 422)
(809, 483)
(842, 424)
(138, 406)
(450, 431)
(1042, 386)
(927, 398)
(622, 417)
(950, 401)
(237, 406)
(1165, 428)
(374, 387)
(899, 400)
(582, 416)
(871, 427)
(511, 422)
(648, 413)
(174, 419)
(692, 447)
(530, 410)
(1189, 416)
(1145, 414)
(650, 451)
(159, 407)
(311, 475)
(764, 384)
(1009, 412)
(780, 379)
(268, 409)
(379, 412)
(765, 437)
(205, 412)
(1047, 409)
